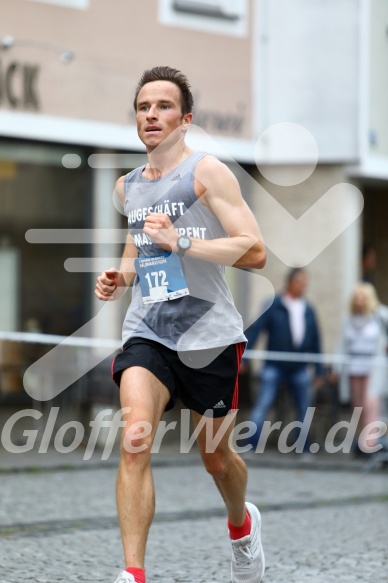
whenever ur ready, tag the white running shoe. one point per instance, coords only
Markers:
(125, 577)
(248, 564)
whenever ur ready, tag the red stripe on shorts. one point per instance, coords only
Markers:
(112, 367)
(239, 353)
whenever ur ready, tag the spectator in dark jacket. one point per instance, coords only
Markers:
(291, 326)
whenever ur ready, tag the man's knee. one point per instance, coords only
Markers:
(270, 374)
(218, 463)
(136, 442)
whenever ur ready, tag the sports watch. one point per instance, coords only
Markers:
(184, 243)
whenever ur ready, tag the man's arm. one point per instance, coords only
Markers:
(245, 246)
(316, 344)
(111, 284)
(219, 191)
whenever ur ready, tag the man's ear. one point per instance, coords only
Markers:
(187, 119)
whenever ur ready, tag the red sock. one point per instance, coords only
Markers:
(139, 574)
(240, 531)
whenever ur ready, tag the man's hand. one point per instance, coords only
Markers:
(333, 377)
(110, 285)
(159, 227)
(244, 367)
(319, 383)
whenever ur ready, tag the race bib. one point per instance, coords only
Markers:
(161, 278)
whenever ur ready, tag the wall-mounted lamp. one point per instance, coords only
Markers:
(65, 55)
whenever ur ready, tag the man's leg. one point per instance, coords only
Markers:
(226, 467)
(230, 475)
(299, 383)
(269, 385)
(147, 397)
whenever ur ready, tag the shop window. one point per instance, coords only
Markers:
(38, 192)
(80, 4)
(218, 16)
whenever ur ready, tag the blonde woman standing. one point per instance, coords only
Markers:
(364, 340)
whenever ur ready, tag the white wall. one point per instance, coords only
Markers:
(378, 80)
(307, 68)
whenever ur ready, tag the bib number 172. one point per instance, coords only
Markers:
(161, 278)
(156, 278)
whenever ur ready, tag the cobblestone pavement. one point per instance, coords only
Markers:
(318, 526)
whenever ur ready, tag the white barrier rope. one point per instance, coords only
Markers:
(79, 341)
(38, 338)
(313, 358)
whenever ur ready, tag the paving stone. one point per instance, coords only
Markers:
(337, 534)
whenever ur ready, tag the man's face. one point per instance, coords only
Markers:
(369, 262)
(159, 113)
(298, 285)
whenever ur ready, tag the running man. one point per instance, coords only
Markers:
(182, 335)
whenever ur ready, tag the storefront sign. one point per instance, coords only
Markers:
(18, 85)
(228, 123)
(217, 122)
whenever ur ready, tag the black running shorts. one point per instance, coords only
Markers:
(205, 380)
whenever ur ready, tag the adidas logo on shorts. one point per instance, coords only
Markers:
(220, 405)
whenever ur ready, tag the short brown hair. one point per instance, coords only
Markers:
(293, 273)
(172, 75)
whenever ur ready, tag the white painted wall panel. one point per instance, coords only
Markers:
(308, 70)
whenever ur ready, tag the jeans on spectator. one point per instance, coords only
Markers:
(299, 384)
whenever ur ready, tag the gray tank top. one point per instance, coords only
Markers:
(207, 318)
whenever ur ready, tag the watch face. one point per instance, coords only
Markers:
(184, 242)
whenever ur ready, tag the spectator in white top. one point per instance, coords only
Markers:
(364, 340)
